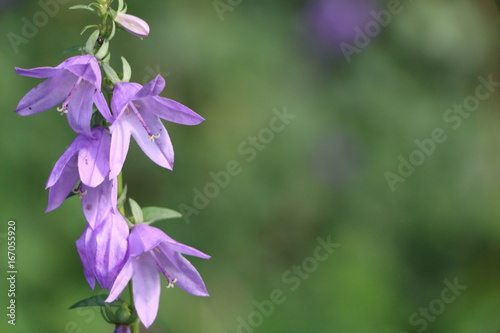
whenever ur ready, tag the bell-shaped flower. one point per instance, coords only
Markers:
(76, 83)
(136, 26)
(103, 250)
(87, 159)
(151, 253)
(138, 111)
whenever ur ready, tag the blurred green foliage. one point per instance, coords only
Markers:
(322, 176)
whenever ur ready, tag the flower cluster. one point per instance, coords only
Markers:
(114, 249)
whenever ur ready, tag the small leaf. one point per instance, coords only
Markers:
(120, 5)
(87, 7)
(110, 73)
(136, 211)
(153, 214)
(88, 27)
(127, 71)
(98, 300)
(77, 48)
(90, 44)
(103, 51)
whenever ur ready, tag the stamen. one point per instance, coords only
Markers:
(171, 284)
(79, 191)
(143, 123)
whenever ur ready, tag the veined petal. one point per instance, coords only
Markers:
(159, 150)
(120, 141)
(144, 238)
(152, 88)
(93, 158)
(81, 247)
(39, 72)
(181, 269)
(171, 110)
(100, 201)
(80, 108)
(121, 280)
(47, 94)
(84, 66)
(64, 161)
(146, 288)
(109, 242)
(59, 191)
(122, 95)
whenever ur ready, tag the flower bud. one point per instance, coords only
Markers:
(136, 26)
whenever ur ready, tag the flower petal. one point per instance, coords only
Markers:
(136, 26)
(171, 110)
(99, 201)
(109, 246)
(81, 247)
(181, 269)
(80, 108)
(60, 190)
(121, 280)
(152, 88)
(39, 72)
(120, 142)
(122, 95)
(102, 106)
(146, 288)
(64, 161)
(47, 94)
(93, 158)
(84, 66)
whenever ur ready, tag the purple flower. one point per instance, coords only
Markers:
(151, 252)
(76, 83)
(122, 329)
(103, 250)
(136, 26)
(138, 111)
(87, 159)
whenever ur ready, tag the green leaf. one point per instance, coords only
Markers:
(88, 27)
(136, 211)
(120, 5)
(103, 51)
(77, 48)
(127, 71)
(98, 300)
(87, 7)
(110, 73)
(153, 214)
(90, 44)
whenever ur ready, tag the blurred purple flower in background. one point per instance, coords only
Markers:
(328, 23)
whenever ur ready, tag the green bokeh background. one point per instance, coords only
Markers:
(322, 176)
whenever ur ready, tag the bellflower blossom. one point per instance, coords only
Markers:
(76, 83)
(151, 253)
(138, 111)
(87, 159)
(134, 25)
(103, 249)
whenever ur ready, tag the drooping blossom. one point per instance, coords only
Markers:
(76, 83)
(151, 253)
(86, 159)
(138, 111)
(134, 25)
(103, 250)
